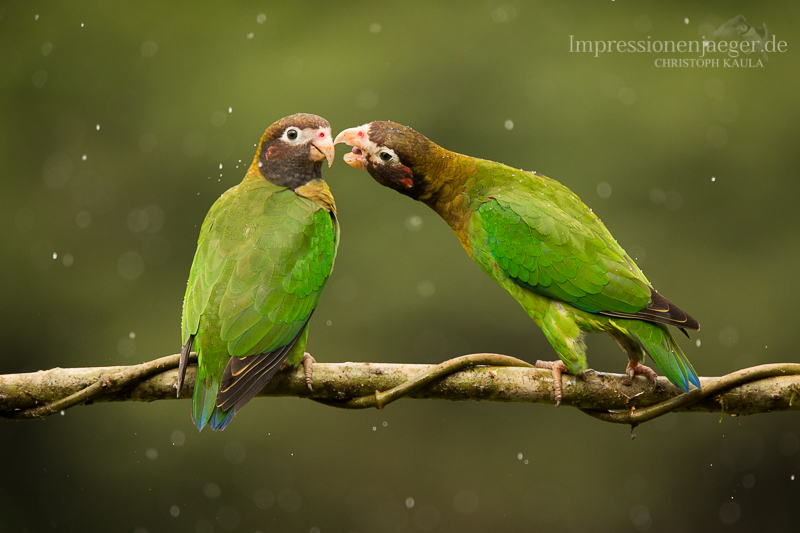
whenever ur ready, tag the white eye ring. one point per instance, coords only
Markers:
(388, 156)
(292, 134)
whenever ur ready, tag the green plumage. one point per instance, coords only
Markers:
(263, 257)
(538, 240)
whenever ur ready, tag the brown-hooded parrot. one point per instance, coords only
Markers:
(265, 251)
(535, 238)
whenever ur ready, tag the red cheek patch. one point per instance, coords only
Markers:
(271, 152)
(406, 176)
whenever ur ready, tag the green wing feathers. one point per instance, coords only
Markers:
(263, 257)
(557, 256)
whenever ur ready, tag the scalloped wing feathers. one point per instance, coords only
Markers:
(264, 255)
(545, 239)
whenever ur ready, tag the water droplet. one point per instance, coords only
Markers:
(329, 322)
(149, 49)
(261, 18)
(414, 223)
(375, 28)
(686, 20)
(175, 511)
(250, 35)
(151, 453)
(509, 125)
(39, 78)
(83, 219)
(212, 491)
(178, 438)
(97, 127)
(713, 178)
(519, 456)
(374, 428)
(385, 423)
(230, 110)
(697, 342)
(426, 288)
(83, 157)
(55, 255)
(410, 502)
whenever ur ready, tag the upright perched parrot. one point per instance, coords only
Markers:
(536, 239)
(265, 251)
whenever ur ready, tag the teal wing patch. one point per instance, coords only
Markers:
(549, 242)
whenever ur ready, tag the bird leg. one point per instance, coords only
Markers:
(556, 367)
(635, 368)
(307, 362)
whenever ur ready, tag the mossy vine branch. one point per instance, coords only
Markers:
(477, 377)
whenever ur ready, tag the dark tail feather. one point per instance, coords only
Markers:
(184, 362)
(244, 377)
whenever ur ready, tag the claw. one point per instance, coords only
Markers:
(308, 361)
(640, 370)
(557, 368)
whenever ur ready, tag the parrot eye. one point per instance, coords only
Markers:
(386, 156)
(291, 134)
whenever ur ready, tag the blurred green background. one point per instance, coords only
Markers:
(120, 123)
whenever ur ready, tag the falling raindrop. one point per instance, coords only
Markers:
(426, 288)
(178, 438)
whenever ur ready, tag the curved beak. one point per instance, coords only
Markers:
(358, 138)
(322, 147)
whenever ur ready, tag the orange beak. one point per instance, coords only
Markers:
(358, 139)
(322, 147)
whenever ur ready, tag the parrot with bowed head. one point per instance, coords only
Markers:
(536, 239)
(265, 251)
